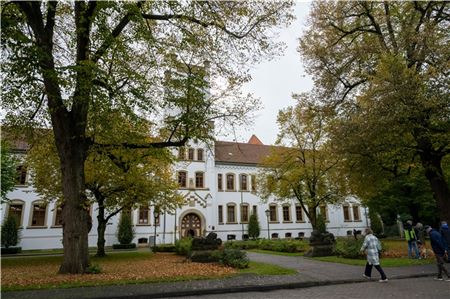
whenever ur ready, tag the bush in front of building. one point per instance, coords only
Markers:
(375, 224)
(253, 227)
(349, 248)
(232, 257)
(280, 245)
(10, 236)
(124, 246)
(183, 246)
(125, 232)
(164, 248)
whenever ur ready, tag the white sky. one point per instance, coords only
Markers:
(275, 81)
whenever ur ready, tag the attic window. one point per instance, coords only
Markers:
(230, 154)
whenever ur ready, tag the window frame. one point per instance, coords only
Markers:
(234, 220)
(245, 206)
(275, 213)
(191, 154)
(288, 208)
(41, 204)
(140, 213)
(233, 181)
(302, 213)
(220, 182)
(241, 182)
(356, 208)
(346, 207)
(21, 175)
(220, 214)
(185, 178)
(197, 180)
(200, 154)
(17, 202)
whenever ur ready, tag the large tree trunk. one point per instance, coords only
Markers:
(101, 237)
(441, 191)
(76, 220)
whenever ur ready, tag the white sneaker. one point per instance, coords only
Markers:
(366, 277)
(438, 278)
(383, 280)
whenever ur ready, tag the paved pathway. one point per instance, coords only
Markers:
(310, 273)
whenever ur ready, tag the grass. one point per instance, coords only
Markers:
(28, 273)
(385, 262)
(267, 269)
(277, 252)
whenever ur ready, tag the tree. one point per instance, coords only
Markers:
(125, 232)
(375, 223)
(8, 165)
(62, 61)
(116, 179)
(307, 169)
(10, 232)
(253, 227)
(383, 66)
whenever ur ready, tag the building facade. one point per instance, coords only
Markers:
(218, 183)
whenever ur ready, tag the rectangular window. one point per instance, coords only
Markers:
(231, 214)
(182, 179)
(243, 179)
(58, 216)
(38, 217)
(144, 215)
(273, 213)
(199, 180)
(15, 210)
(244, 213)
(220, 214)
(21, 175)
(230, 182)
(255, 210)
(181, 153)
(346, 213)
(356, 215)
(219, 182)
(286, 213)
(200, 154)
(191, 154)
(253, 178)
(299, 213)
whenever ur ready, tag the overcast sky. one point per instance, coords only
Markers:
(275, 81)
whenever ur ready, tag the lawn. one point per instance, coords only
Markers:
(22, 273)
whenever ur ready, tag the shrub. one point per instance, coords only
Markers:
(349, 248)
(321, 226)
(124, 246)
(211, 242)
(234, 258)
(125, 232)
(94, 269)
(183, 246)
(164, 248)
(11, 250)
(375, 223)
(253, 227)
(10, 232)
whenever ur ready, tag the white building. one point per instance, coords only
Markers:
(218, 184)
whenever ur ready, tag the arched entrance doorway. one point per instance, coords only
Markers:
(191, 225)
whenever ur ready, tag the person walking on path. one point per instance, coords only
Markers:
(420, 233)
(445, 233)
(410, 236)
(439, 251)
(372, 247)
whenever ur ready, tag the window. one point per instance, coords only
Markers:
(199, 180)
(220, 214)
(21, 175)
(243, 182)
(324, 212)
(38, 212)
(253, 178)
(15, 210)
(230, 182)
(182, 153)
(275, 236)
(346, 212)
(288, 235)
(200, 154)
(58, 216)
(191, 154)
(299, 214)
(255, 210)
(286, 213)
(356, 215)
(182, 179)
(231, 213)
(144, 215)
(273, 213)
(244, 213)
(219, 182)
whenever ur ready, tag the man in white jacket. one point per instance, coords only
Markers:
(372, 247)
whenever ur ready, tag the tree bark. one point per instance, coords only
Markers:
(101, 237)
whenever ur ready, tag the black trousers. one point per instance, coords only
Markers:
(441, 266)
(368, 271)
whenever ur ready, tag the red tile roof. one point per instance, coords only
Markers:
(241, 153)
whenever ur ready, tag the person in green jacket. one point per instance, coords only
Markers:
(410, 236)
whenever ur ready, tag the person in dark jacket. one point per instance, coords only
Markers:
(445, 233)
(439, 251)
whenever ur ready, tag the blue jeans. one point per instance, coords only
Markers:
(413, 245)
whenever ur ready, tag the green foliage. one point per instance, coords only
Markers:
(271, 245)
(253, 227)
(234, 258)
(321, 225)
(184, 246)
(11, 250)
(125, 231)
(375, 223)
(10, 232)
(349, 248)
(164, 248)
(94, 269)
(124, 246)
(8, 170)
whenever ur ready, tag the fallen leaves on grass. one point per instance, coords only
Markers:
(152, 267)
